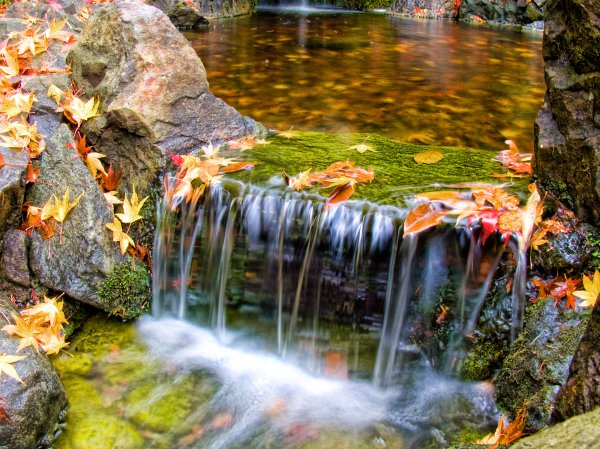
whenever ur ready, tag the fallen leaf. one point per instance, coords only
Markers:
(362, 148)
(3, 413)
(421, 218)
(131, 208)
(33, 173)
(120, 236)
(589, 296)
(340, 194)
(429, 157)
(110, 180)
(6, 367)
(95, 164)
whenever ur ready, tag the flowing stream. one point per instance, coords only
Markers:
(279, 323)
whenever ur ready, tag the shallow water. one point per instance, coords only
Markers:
(422, 81)
(170, 384)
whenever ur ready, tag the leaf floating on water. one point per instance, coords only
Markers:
(362, 148)
(422, 217)
(429, 157)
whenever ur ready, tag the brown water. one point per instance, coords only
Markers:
(422, 81)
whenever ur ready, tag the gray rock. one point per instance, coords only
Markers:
(581, 432)
(42, 112)
(14, 263)
(34, 407)
(12, 187)
(150, 80)
(66, 9)
(567, 148)
(181, 15)
(538, 362)
(87, 254)
(581, 392)
(9, 25)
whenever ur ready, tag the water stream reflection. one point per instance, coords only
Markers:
(431, 82)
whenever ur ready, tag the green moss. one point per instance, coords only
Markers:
(126, 292)
(161, 406)
(396, 171)
(366, 5)
(78, 363)
(483, 360)
(560, 190)
(104, 432)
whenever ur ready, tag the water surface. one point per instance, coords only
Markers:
(422, 81)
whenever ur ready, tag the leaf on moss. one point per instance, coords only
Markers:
(429, 157)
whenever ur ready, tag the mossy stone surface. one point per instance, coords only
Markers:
(397, 175)
(104, 431)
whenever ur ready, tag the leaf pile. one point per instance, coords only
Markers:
(195, 173)
(40, 326)
(343, 176)
(518, 164)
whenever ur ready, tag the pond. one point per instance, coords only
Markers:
(422, 81)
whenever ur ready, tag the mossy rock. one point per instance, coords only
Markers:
(126, 291)
(392, 161)
(77, 363)
(162, 406)
(99, 334)
(104, 431)
(83, 397)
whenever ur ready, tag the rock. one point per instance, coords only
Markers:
(565, 252)
(567, 146)
(43, 111)
(581, 432)
(538, 363)
(61, 9)
(490, 10)
(427, 8)
(14, 263)
(150, 80)
(87, 254)
(181, 14)
(12, 187)
(581, 392)
(34, 407)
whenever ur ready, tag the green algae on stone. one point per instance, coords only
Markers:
(126, 291)
(397, 175)
(78, 363)
(98, 335)
(104, 431)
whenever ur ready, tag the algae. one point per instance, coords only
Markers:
(397, 175)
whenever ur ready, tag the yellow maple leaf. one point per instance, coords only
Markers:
(94, 164)
(55, 31)
(6, 361)
(48, 311)
(362, 148)
(301, 181)
(53, 344)
(12, 67)
(591, 292)
(111, 198)
(131, 208)
(16, 103)
(428, 157)
(59, 209)
(55, 93)
(26, 330)
(20, 135)
(120, 236)
(77, 111)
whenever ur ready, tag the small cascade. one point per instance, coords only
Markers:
(292, 267)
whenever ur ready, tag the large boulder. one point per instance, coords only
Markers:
(12, 187)
(567, 130)
(87, 254)
(581, 432)
(150, 80)
(34, 408)
(581, 392)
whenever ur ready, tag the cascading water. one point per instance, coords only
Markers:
(261, 270)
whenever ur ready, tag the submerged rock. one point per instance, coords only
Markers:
(34, 407)
(567, 130)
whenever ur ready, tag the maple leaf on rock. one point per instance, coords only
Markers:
(59, 209)
(26, 331)
(50, 310)
(110, 180)
(131, 208)
(589, 296)
(6, 361)
(94, 163)
(120, 236)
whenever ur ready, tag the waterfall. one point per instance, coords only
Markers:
(295, 265)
